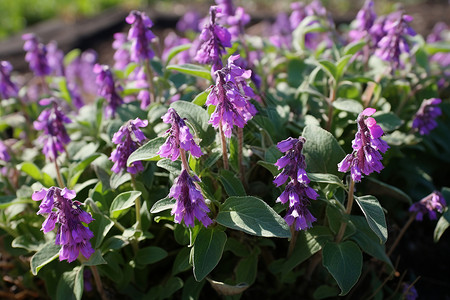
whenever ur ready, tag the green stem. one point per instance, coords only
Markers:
(330, 106)
(149, 73)
(98, 282)
(240, 133)
(347, 211)
(293, 240)
(58, 175)
(224, 147)
(137, 204)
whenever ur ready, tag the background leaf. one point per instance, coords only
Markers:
(374, 215)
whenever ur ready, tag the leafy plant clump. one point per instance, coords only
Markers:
(284, 165)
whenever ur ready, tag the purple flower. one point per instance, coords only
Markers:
(189, 21)
(297, 15)
(237, 21)
(122, 55)
(365, 157)
(229, 97)
(140, 35)
(172, 40)
(215, 38)
(4, 155)
(77, 99)
(409, 292)
(128, 138)
(7, 88)
(54, 137)
(107, 89)
(424, 120)
(297, 192)
(226, 7)
(80, 73)
(190, 204)
(430, 204)
(55, 58)
(365, 19)
(36, 55)
(72, 234)
(440, 30)
(281, 32)
(394, 42)
(179, 136)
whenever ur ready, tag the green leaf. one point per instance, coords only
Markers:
(71, 284)
(442, 225)
(354, 47)
(388, 121)
(49, 252)
(70, 56)
(191, 69)
(388, 190)
(100, 227)
(207, 251)
(163, 204)
(374, 215)
(438, 47)
(269, 166)
(233, 186)
(148, 151)
(122, 203)
(246, 269)
(32, 170)
(200, 99)
(150, 255)
(349, 105)
(253, 216)
(175, 50)
(326, 178)
(192, 289)
(227, 289)
(329, 68)
(181, 262)
(197, 117)
(325, 291)
(344, 262)
(322, 151)
(341, 65)
(79, 169)
(173, 167)
(95, 259)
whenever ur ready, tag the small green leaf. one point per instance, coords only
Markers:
(341, 65)
(95, 259)
(246, 269)
(191, 69)
(325, 291)
(78, 169)
(70, 56)
(181, 262)
(147, 151)
(233, 186)
(71, 284)
(122, 203)
(388, 121)
(349, 105)
(438, 47)
(442, 225)
(253, 216)
(100, 227)
(163, 204)
(32, 170)
(374, 215)
(344, 262)
(354, 47)
(207, 251)
(200, 99)
(173, 167)
(175, 50)
(150, 255)
(49, 252)
(329, 68)
(326, 178)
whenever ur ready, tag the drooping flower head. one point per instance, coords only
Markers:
(367, 145)
(128, 138)
(190, 204)
(80, 73)
(54, 136)
(281, 35)
(215, 38)
(297, 192)
(424, 120)
(140, 35)
(232, 105)
(72, 234)
(179, 136)
(7, 88)
(36, 55)
(107, 89)
(4, 155)
(429, 205)
(364, 21)
(394, 42)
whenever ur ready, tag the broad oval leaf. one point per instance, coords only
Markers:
(388, 121)
(122, 203)
(253, 216)
(71, 284)
(349, 105)
(150, 255)
(442, 225)
(207, 251)
(95, 259)
(344, 262)
(177, 49)
(147, 151)
(233, 186)
(191, 69)
(49, 252)
(374, 215)
(163, 204)
(326, 178)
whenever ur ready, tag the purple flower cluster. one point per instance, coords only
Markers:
(55, 58)
(231, 95)
(7, 88)
(215, 38)
(4, 155)
(122, 55)
(179, 136)
(365, 157)
(235, 18)
(429, 205)
(107, 89)
(439, 32)
(189, 22)
(36, 55)
(140, 35)
(365, 19)
(128, 138)
(190, 204)
(424, 120)
(297, 191)
(81, 77)
(394, 43)
(54, 137)
(72, 235)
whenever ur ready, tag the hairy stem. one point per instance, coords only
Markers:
(224, 147)
(184, 161)
(347, 211)
(98, 282)
(149, 73)
(58, 175)
(330, 106)
(137, 204)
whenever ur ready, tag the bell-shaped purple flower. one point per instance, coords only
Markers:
(128, 139)
(179, 136)
(140, 36)
(80, 73)
(54, 135)
(394, 42)
(107, 89)
(364, 21)
(215, 38)
(429, 205)
(72, 234)
(8, 89)
(297, 192)
(190, 204)
(232, 105)
(425, 118)
(36, 55)
(367, 145)
(281, 35)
